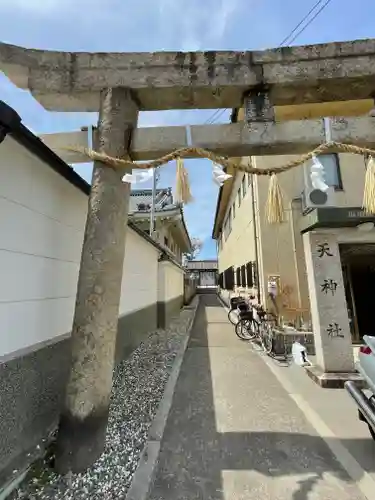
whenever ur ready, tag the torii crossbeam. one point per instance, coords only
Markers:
(71, 81)
(233, 140)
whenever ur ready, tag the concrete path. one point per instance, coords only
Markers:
(234, 433)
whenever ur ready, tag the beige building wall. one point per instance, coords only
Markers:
(238, 247)
(280, 247)
(278, 250)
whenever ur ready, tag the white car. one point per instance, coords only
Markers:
(365, 398)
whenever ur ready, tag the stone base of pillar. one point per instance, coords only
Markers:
(333, 380)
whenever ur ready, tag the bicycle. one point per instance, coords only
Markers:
(249, 328)
(237, 304)
(266, 328)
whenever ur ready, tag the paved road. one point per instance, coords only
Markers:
(234, 433)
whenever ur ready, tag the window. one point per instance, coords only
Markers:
(143, 207)
(243, 276)
(255, 275)
(249, 274)
(230, 220)
(229, 278)
(239, 196)
(221, 280)
(228, 224)
(332, 174)
(238, 276)
(225, 229)
(166, 242)
(244, 187)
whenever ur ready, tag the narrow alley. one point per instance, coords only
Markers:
(233, 431)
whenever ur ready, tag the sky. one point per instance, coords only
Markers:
(177, 25)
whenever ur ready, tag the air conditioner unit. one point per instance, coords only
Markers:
(316, 194)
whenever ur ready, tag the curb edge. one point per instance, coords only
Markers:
(144, 474)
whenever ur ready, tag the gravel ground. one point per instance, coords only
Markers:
(138, 388)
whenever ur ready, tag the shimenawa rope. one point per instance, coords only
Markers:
(274, 205)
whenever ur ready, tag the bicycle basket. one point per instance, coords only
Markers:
(242, 306)
(234, 301)
(246, 315)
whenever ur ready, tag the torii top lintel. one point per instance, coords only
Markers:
(71, 81)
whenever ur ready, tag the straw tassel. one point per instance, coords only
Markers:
(275, 203)
(183, 194)
(369, 190)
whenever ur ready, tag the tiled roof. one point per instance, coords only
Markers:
(141, 199)
(140, 203)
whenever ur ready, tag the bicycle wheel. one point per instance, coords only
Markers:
(246, 329)
(233, 316)
(266, 338)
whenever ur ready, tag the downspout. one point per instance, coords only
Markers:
(152, 215)
(217, 255)
(293, 203)
(255, 238)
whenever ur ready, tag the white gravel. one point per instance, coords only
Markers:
(138, 388)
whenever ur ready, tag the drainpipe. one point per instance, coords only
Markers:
(255, 237)
(293, 203)
(152, 215)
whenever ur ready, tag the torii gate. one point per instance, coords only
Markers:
(120, 85)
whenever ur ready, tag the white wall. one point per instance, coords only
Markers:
(170, 281)
(208, 278)
(139, 286)
(42, 219)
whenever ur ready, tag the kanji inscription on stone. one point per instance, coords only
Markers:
(328, 285)
(323, 249)
(334, 330)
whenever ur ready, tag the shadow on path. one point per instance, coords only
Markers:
(219, 445)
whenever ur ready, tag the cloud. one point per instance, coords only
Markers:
(202, 24)
(47, 7)
(27, 5)
(135, 25)
(220, 18)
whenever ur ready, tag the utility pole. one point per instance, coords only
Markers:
(152, 216)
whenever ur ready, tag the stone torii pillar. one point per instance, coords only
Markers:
(83, 422)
